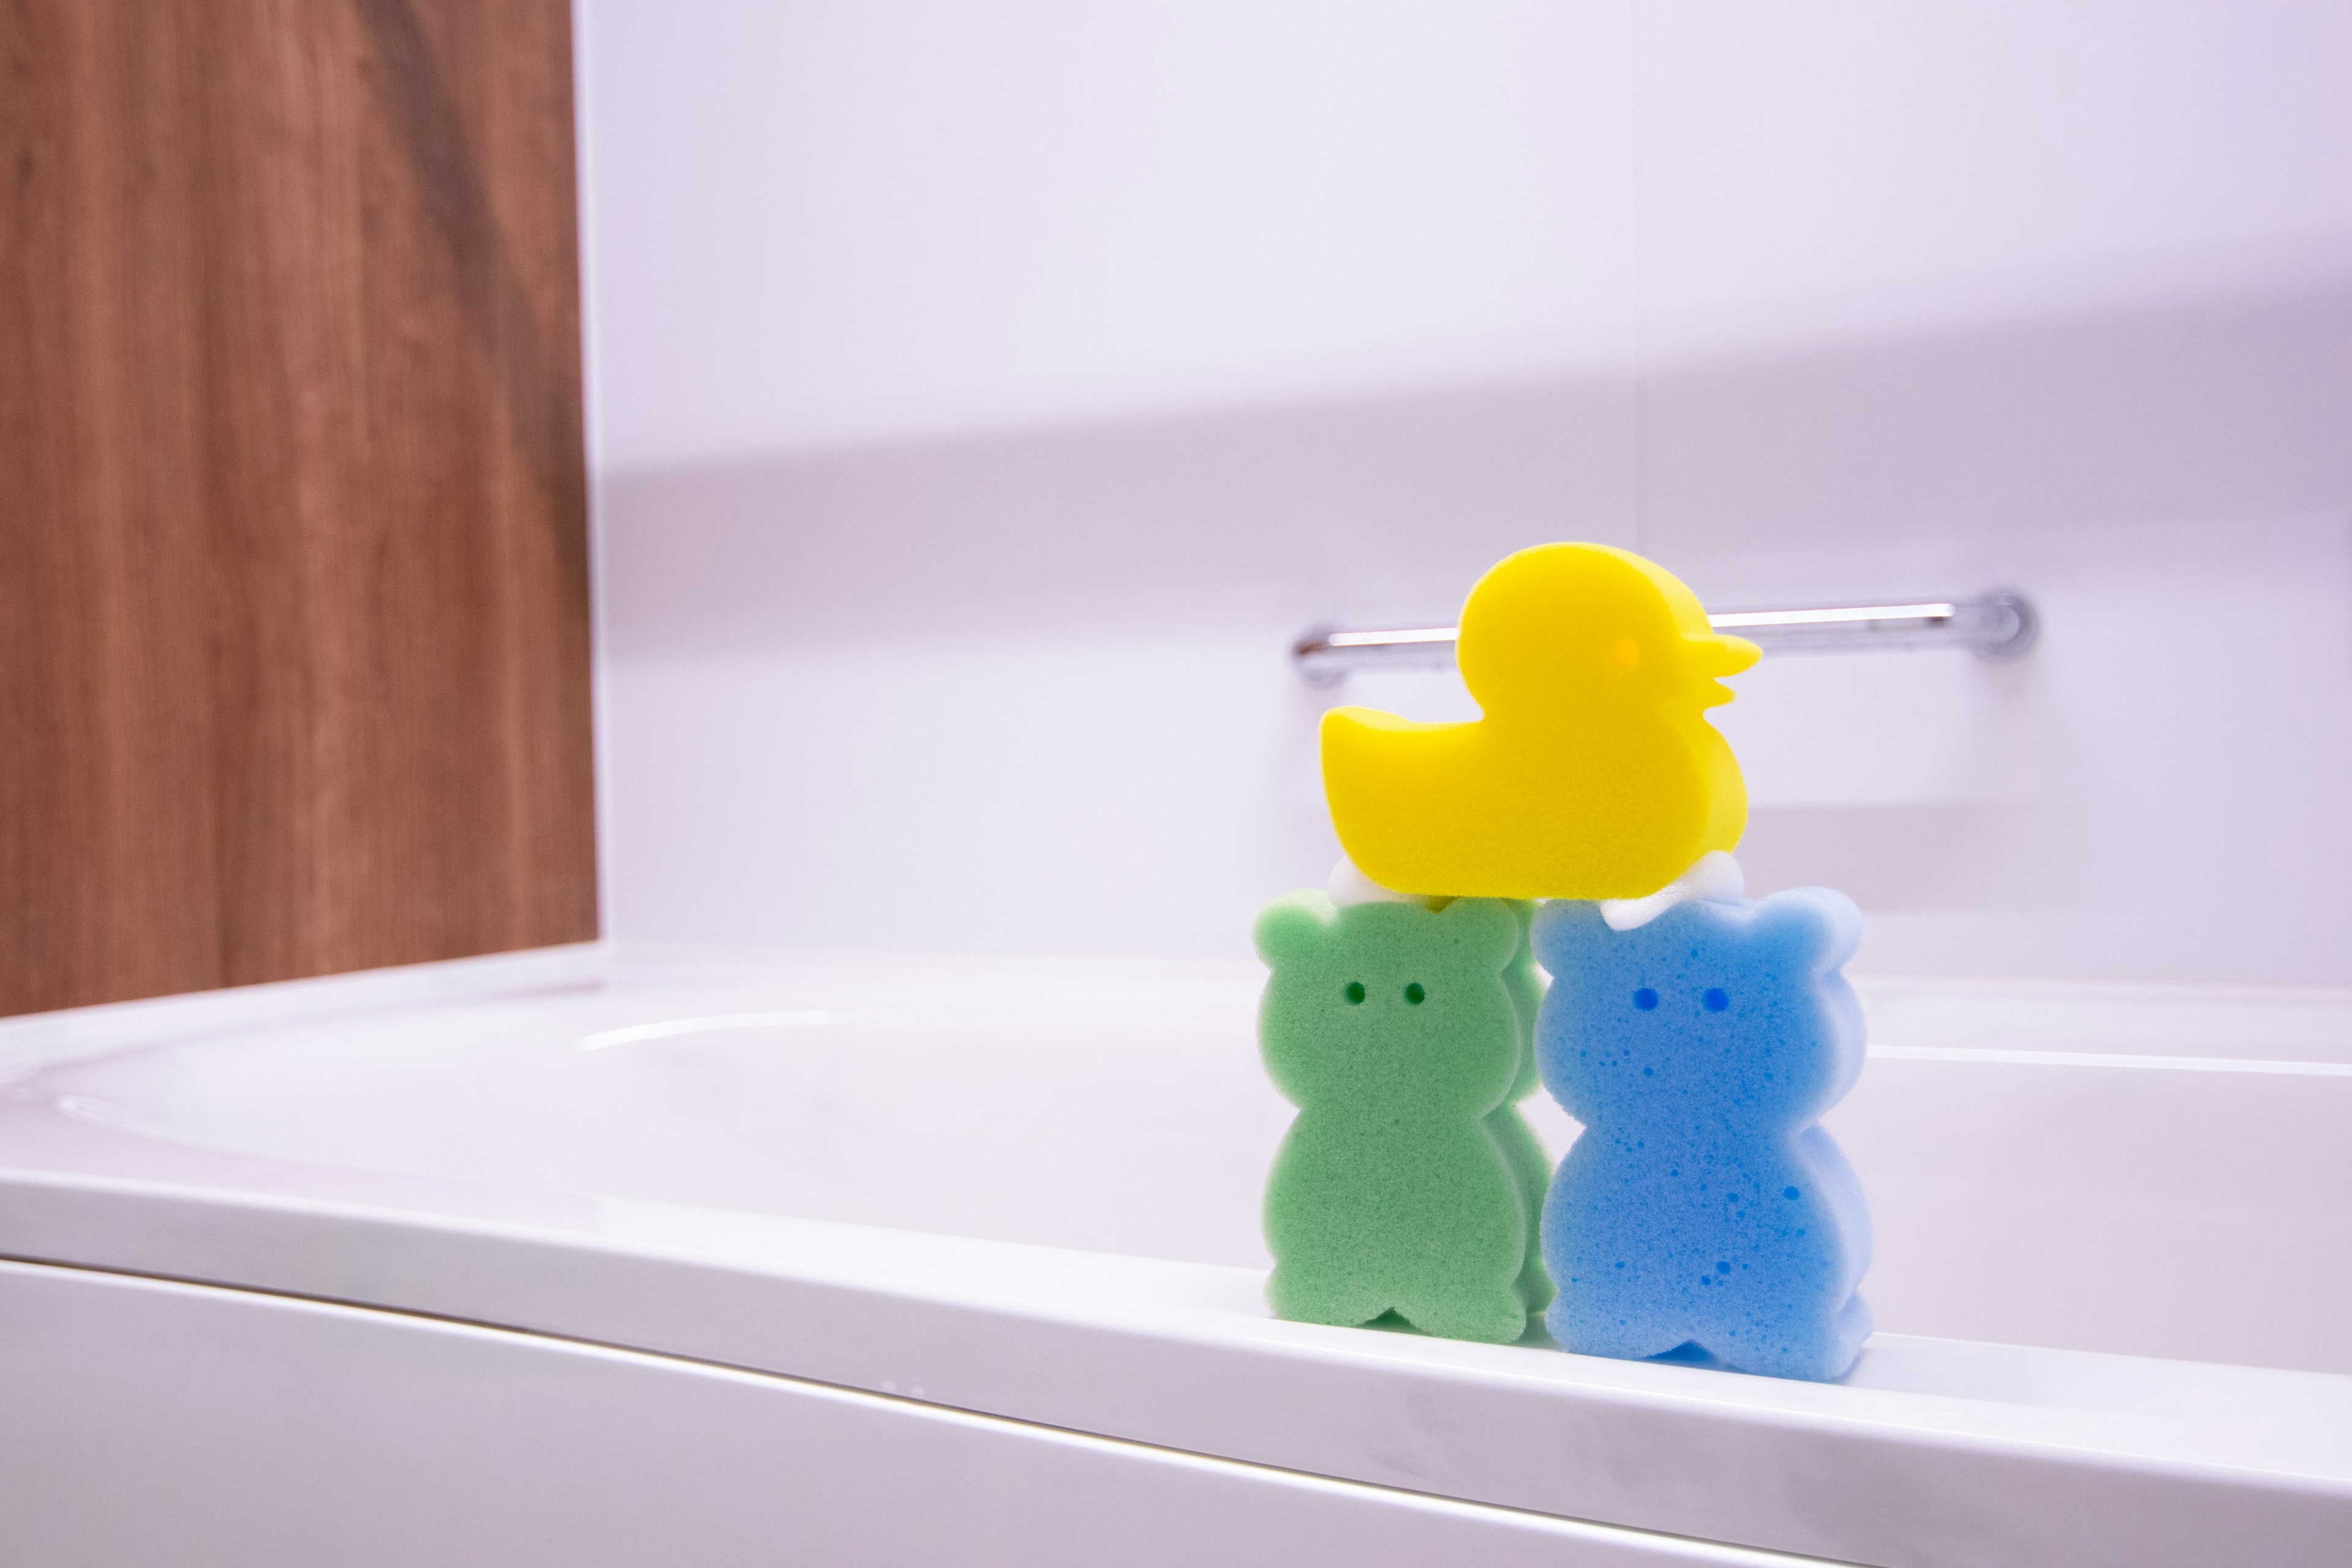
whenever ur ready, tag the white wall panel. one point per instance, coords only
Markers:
(828, 220)
(985, 396)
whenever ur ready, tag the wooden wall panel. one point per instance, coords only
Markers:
(294, 654)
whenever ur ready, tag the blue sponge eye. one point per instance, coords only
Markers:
(1355, 992)
(1716, 1000)
(1415, 994)
(1645, 999)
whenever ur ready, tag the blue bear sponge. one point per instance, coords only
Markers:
(1702, 1205)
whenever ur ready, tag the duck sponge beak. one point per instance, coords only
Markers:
(1715, 655)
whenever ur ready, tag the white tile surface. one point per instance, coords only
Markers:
(983, 402)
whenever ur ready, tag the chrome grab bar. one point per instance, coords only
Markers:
(2001, 625)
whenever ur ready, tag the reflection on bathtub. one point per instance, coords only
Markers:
(605, 1038)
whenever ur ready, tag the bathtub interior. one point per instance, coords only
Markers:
(2152, 1173)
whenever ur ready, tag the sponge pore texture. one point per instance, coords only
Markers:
(1392, 1029)
(1701, 1204)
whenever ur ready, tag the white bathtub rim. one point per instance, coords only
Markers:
(2004, 1019)
(31, 1041)
(2234, 1463)
(1184, 1356)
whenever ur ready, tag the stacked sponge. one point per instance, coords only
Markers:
(1702, 1204)
(1393, 1028)
(1698, 1045)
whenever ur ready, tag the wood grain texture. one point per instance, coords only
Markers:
(294, 647)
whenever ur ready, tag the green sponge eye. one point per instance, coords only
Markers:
(1415, 994)
(1355, 992)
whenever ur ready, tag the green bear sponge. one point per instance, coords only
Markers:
(1528, 1159)
(1393, 1029)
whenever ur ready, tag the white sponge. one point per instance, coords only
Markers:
(1347, 887)
(1715, 877)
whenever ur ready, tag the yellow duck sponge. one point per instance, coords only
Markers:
(1593, 774)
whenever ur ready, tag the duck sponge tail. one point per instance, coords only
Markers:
(1703, 1204)
(1392, 1029)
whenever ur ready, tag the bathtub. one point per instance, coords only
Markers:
(603, 1255)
